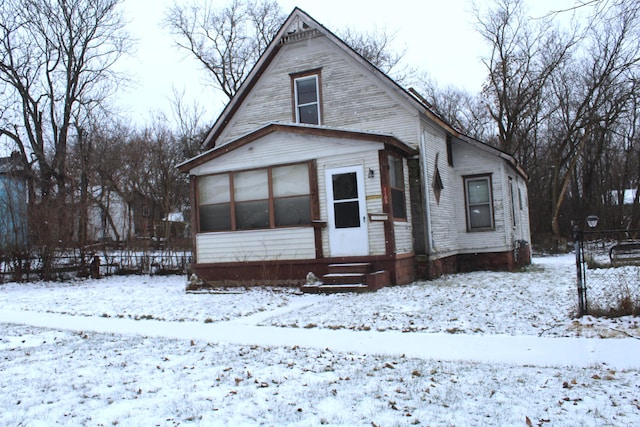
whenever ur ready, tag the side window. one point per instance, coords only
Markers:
(513, 202)
(306, 93)
(479, 203)
(396, 182)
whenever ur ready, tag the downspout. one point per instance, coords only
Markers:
(427, 206)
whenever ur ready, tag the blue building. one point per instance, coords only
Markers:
(13, 205)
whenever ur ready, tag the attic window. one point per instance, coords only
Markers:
(306, 94)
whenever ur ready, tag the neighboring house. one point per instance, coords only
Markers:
(321, 163)
(13, 205)
(110, 217)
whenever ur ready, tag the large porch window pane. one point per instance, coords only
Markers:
(215, 217)
(213, 189)
(290, 180)
(251, 185)
(292, 211)
(292, 202)
(214, 198)
(253, 214)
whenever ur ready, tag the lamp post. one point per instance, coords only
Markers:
(577, 245)
(592, 221)
(578, 237)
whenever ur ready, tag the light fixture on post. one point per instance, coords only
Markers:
(592, 221)
(371, 173)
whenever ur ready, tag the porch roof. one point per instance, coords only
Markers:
(296, 128)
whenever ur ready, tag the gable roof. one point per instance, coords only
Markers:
(297, 22)
(316, 130)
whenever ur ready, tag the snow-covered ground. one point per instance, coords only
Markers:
(480, 348)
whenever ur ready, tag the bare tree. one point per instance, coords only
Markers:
(227, 41)
(158, 178)
(461, 109)
(593, 95)
(376, 47)
(524, 54)
(56, 62)
(190, 129)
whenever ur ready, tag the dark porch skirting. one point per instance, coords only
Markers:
(294, 272)
(462, 263)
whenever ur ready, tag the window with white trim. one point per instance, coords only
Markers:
(479, 203)
(307, 99)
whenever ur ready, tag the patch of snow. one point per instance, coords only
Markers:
(480, 348)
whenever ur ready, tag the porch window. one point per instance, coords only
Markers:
(307, 99)
(396, 182)
(479, 203)
(291, 199)
(254, 199)
(214, 199)
(251, 197)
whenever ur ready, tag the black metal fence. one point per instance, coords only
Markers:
(82, 263)
(608, 272)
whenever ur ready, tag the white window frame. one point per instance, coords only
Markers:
(468, 206)
(317, 101)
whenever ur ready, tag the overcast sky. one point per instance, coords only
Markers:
(439, 38)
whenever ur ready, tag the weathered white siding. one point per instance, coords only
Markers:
(518, 230)
(444, 212)
(256, 245)
(469, 160)
(352, 97)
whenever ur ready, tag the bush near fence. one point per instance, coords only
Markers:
(70, 263)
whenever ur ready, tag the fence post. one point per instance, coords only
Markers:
(578, 237)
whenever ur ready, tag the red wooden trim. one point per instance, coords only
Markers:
(389, 233)
(195, 217)
(315, 208)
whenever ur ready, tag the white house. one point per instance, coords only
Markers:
(321, 163)
(110, 218)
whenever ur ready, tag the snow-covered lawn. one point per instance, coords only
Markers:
(140, 351)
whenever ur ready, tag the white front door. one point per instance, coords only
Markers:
(347, 217)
